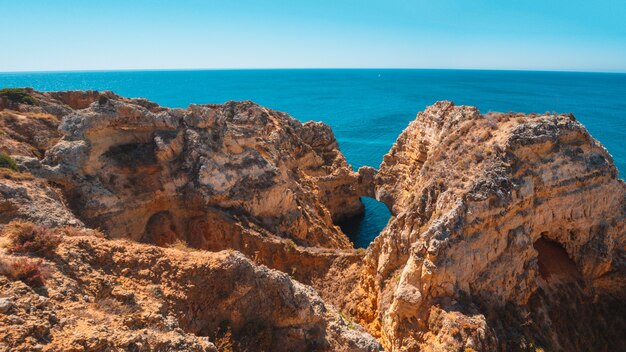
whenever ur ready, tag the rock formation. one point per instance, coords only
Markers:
(140, 171)
(119, 295)
(492, 212)
(507, 231)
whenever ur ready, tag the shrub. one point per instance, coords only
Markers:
(28, 238)
(348, 320)
(29, 271)
(181, 246)
(7, 162)
(17, 95)
(223, 340)
(74, 231)
(290, 245)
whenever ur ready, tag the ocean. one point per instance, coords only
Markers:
(368, 108)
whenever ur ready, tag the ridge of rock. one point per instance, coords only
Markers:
(507, 231)
(493, 211)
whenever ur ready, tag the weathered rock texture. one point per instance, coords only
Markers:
(161, 184)
(140, 171)
(507, 231)
(520, 215)
(104, 295)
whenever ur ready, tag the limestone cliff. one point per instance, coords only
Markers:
(141, 171)
(508, 232)
(210, 177)
(118, 295)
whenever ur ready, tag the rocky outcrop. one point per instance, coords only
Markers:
(149, 173)
(23, 196)
(516, 214)
(507, 231)
(119, 295)
(163, 182)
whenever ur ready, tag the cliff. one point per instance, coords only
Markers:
(153, 174)
(119, 295)
(507, 231)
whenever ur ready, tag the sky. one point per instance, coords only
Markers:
(568, 35)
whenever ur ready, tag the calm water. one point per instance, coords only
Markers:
(367, 109)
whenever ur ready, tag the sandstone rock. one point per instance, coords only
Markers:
(122, 295)
(144, 172)
(23, 196)
(5, 305)
(473, 197)
(507, 231)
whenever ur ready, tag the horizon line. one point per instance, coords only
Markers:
(309, 68)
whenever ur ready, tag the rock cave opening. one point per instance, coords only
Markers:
(362, 229)
(553, 260)
(131, 154)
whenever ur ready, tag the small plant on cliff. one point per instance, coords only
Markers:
(17, 95)
(290, 245)
(223, 340)
(348, 320)
(29, 271)
(29, 238)
(73, 231)
(7, 162)
(181, 246)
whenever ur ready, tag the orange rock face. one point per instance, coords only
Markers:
(149, 173)
(507, 231)
(482, 206)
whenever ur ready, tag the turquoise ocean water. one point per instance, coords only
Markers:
(368, 109)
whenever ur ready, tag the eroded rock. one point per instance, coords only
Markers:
(471, 196)
(123, 162)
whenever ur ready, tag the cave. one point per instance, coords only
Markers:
(363, 228)
(553, 261)
(161, 229)
(131, 155)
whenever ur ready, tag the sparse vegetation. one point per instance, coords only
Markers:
(113, 306)
(7, 162)
(181, 246)
(223, 340)
(290, 245)
(29, 271)
(17, 95)
(73, 231)
(28, 238)
(348, 320)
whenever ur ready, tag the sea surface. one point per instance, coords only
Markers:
(368, 108)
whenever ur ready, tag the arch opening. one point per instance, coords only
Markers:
(553, 261)
(363, 228)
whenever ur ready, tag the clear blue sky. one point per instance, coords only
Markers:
(485, 34)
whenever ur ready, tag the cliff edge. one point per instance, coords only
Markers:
(217, 231)
(508, 232)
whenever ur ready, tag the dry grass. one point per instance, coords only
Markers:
(224, 340)
(348, 319)
(7, 162)
(290, 245)
(10, 174)
(30, 271)
(28, 238)
(181, 246)
(73, 231)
